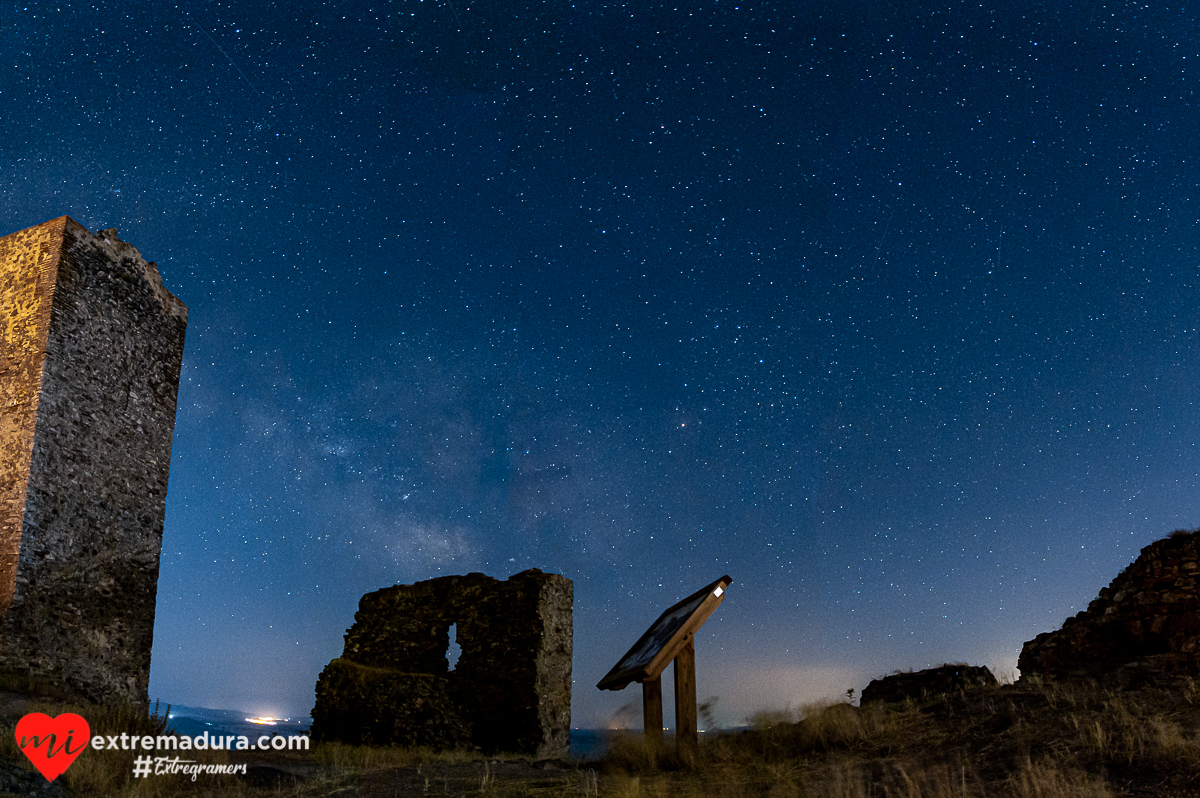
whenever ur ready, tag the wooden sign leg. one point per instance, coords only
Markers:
(652, 712)
(686, 739)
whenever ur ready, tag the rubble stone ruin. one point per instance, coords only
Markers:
(90, 352)
(920, 685)
(509, 691)
(1145, 626)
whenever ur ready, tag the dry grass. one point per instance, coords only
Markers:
(1040, 741)
(1010, 741)
(100, 772)
(328, 769)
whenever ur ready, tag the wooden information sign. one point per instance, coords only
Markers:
(669, 639)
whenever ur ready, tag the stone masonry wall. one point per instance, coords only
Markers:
(510, 690)
(1144, 625)
(89, 370)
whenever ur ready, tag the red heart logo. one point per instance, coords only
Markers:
(52, 743)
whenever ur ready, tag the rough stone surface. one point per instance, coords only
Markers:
(90, 352)
(511, 687)
(929, 682)
(1144, 626)
(383, 705)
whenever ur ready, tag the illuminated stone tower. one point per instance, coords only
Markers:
(90, 352)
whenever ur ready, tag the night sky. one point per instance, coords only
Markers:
(887, 310)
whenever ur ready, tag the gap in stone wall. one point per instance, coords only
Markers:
(455, 650)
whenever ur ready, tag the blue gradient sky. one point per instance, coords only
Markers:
(888, 310)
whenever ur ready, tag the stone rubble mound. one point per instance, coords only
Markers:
(919, 685)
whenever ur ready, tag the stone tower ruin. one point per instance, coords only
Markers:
(90, 351)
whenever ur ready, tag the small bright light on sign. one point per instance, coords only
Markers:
(718, 591)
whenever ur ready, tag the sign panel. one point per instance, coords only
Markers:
(666, 637)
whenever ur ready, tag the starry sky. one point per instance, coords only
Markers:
(886, 309)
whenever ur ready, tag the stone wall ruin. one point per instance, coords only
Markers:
(91, 345)
(511, 687)
(1145, 626)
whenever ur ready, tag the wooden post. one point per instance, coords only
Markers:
(672, 638)
(652, 712)
(686, 740)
